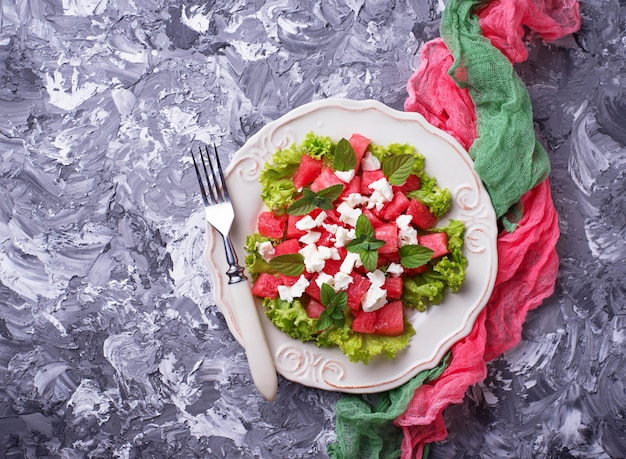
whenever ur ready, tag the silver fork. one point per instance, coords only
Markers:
(220, 214)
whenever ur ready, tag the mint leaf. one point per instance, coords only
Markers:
(375, 244)
(327, 294)
(310, 200)
(369, 258)
(414, 256)
(289, 264)
(365, 244)
(335, 303)
(324, 320)
(397, 168)
(357, 244)
(301, 207)
(364, 227)
(332, 192)
(345, 159)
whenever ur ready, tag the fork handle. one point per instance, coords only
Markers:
(260, 359)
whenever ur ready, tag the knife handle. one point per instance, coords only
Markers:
(260, 359)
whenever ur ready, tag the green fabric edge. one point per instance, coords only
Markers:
(502, 105)
(367, 432)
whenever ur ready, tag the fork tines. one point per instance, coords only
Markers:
(212, 182)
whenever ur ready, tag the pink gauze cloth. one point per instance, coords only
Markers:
(527, 258)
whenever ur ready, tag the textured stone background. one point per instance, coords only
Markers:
(110, 344)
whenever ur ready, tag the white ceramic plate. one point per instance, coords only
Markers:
(440, 326)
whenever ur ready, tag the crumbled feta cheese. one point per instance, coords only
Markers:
(311, 237)
(382, 193)
(313, 261)
(289, 293)
(315, 256)
(395, 269)
(347, 214)
(370, 162)
(403, 221)
(323, 278)
(407, 236)
(265, 249)
(330, 227)
(356, 199)
(307, 222)
(375, 298)
(343, 236)
(351, 261)
(324, 252)
(341, 281)
(319, 220)
(345, 176)
(377, 278)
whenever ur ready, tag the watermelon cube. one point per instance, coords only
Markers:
(308, 170)
(390, 319)
(386, 321)
(266, 286)
(288, 280)
(325, 179)
(364, 322)
(271, 225)
(373, 218)
(360, 284)
(314, 308)
(332, 266)
(415, 271)
(359, 145)
(287, 246)
(369, 177)
(393, 285)
(412, 183)
(386, 258)
(395, 207)
(332, 216)
(387, 232)
(313, 290)
(353, 187)
(437, 242)
(420, 214)
(292, 231)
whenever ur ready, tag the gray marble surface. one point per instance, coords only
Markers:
(110, 343)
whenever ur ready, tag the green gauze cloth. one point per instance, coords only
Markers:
(506, 154)
(364, 432)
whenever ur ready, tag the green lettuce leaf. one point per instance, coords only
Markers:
(318, 147)
(362, 347)
(291, 318)
(255, 263)
(422, 290)
(277, 194)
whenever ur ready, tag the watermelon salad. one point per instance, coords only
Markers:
(349, 243)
